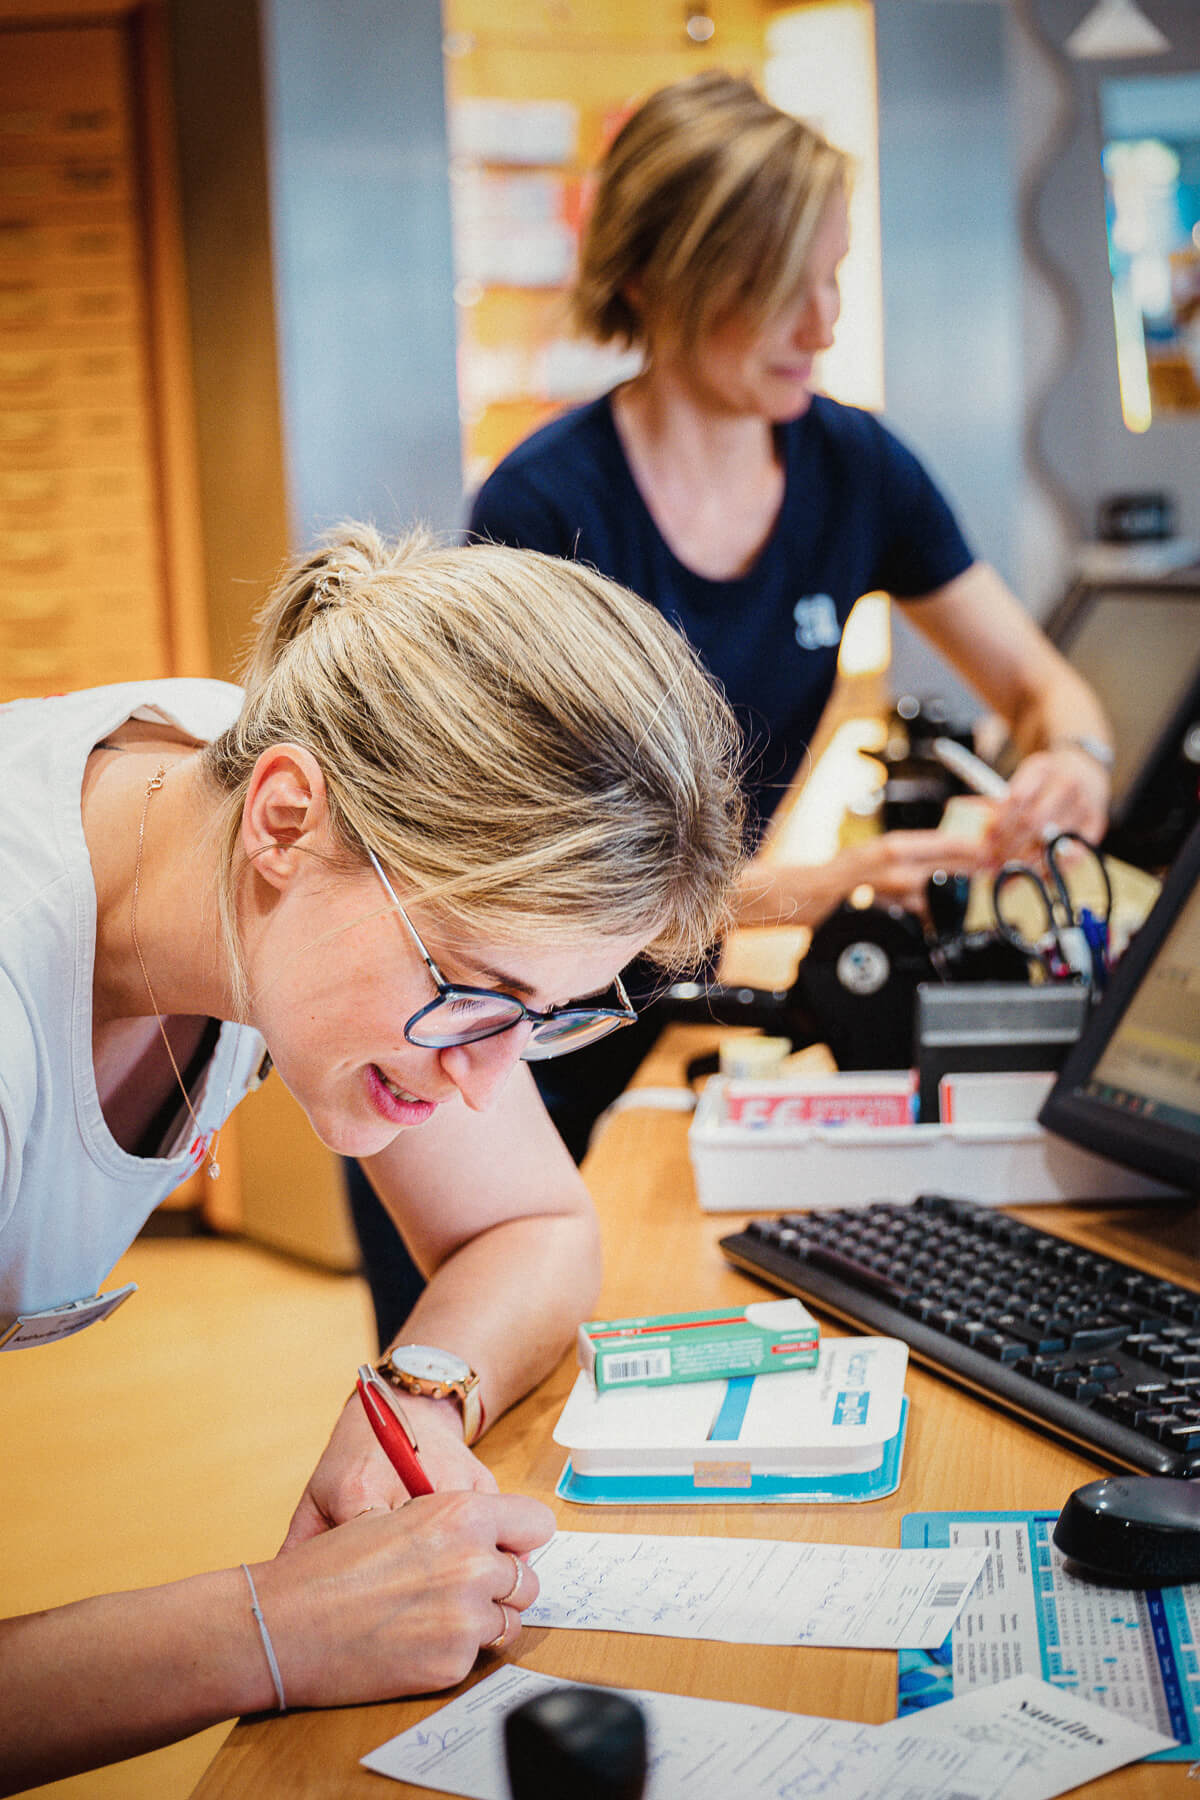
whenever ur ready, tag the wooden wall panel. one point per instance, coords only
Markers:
(80, 538)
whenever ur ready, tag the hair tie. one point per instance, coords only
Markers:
(323, 593)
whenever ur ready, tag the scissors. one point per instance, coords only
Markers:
(1074, 943)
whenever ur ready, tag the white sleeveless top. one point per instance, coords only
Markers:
(71, 1200)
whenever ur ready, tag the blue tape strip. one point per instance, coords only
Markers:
(727, 1426)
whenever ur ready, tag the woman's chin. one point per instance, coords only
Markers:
(353, 1137)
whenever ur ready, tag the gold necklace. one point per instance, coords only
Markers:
(210, 1150)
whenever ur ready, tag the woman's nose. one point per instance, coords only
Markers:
(479, 1071)
(816, 319)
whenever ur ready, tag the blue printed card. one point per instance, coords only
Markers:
(1030, 1613)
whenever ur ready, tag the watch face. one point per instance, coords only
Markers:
(428, 1364)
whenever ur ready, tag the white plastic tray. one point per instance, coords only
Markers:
(773, 1169)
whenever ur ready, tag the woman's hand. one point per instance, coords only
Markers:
(354, 1476)
(1062, 789)
(896, 866)
(392, 1603)
(400, 1602)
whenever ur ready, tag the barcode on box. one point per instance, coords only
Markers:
(651, 1366)
(949, 1594)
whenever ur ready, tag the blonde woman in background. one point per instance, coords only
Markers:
(461, 789)
(753, 511)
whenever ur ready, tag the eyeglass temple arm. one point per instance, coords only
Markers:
(623, 997)
(439, 980)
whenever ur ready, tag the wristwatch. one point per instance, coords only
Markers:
(1094, 747)
(420, 1369)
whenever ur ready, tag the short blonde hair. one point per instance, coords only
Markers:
(516, 737)
(707, 203)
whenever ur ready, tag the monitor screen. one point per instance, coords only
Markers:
(1159, 629)
(1130, 1088)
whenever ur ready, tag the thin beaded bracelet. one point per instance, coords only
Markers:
(265, 1635)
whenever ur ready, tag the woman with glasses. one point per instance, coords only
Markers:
(460, 790)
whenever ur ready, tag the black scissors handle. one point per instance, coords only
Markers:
(1006, 877)
(1079, 949)
(1051, 856)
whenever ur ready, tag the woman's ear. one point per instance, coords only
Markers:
(286, 805)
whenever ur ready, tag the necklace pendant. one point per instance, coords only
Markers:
(214, 1170)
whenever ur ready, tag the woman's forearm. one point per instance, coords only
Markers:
(510, 1300)
(1061, 711)
(121, 1674)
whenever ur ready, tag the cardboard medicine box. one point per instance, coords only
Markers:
(758, 1339)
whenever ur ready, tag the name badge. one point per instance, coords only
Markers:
(55, 1322)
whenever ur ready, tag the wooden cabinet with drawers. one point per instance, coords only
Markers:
(97, 567)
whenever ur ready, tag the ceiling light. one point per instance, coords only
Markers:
(1115, 29)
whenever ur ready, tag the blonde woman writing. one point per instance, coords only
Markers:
(460, 790)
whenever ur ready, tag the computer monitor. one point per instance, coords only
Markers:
(1138, 644)
(1130, 1087)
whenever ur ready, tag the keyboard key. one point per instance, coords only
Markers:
(1000, 1347)
(858, 1272)
(1041, 1341)
(1098, 1337)
(968, 1331)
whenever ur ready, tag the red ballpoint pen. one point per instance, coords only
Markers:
(392, 1430)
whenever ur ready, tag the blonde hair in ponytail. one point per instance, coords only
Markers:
(516, 737)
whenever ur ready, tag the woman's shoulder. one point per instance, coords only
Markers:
(839, 424)
(44, 747)
(573, 434)
(534, 495)
(197, 705)
(855, 436)
(558, 453)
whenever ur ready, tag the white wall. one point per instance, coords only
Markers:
(951, 277)
(356, 138)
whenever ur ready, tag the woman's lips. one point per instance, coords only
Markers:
(398, 1111)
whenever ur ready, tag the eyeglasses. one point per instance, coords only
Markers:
(467, 1015)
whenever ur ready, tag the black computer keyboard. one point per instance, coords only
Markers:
(1094, 1351)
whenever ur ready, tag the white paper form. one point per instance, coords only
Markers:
(1021, 1740)
(708, 1749)
(1065, 1740)
(752, 1590)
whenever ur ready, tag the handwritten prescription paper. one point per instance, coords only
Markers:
(752, 1590)
(708, 1749)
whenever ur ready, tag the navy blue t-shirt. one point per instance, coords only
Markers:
(859, 513)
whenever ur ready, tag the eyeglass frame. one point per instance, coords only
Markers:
(446, 990)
